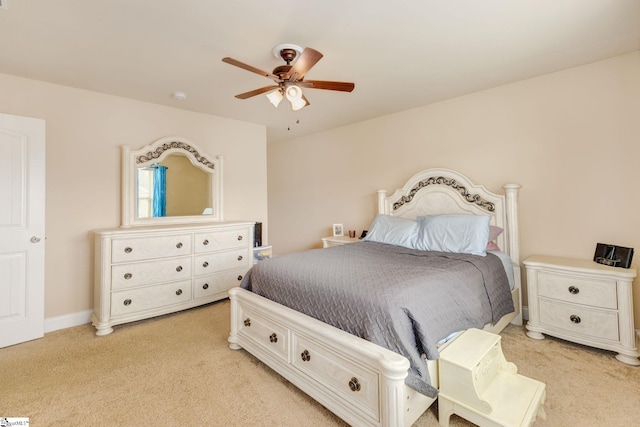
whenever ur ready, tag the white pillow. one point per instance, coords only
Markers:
(466, 234)
(393, 231)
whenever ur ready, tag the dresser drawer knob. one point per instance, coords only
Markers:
(205, 242)
(239, 257)
(239, 237)
(205, 286)
(273, 337)
(575, 319)
(128, 276)
(179, 245)
(305, 356)
(179, 292)
(127, 302)
(128, 250)
(239, 277)
(205, 264)
(573, 290)
(354, 384)
(179, 268)
(247, 322)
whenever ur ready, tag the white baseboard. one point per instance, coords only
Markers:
(67, 321)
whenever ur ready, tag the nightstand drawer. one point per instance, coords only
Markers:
(581, 320)
(578, 290)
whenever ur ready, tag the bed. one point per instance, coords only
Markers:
(360, 381)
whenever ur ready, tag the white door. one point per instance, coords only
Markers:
(22, 162)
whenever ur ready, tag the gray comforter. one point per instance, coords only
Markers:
(402, 299)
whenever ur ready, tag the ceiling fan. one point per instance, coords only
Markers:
(289, 79)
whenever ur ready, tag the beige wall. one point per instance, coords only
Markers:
(84, 131)
(571, 138)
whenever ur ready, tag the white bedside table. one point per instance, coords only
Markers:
(338, 240)
(584, 302)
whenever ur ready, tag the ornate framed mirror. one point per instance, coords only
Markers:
(170, 181)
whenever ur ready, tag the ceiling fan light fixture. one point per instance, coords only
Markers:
(294, 92)
(275, 96)
(294, 95)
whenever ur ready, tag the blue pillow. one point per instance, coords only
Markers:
(393, 231)
(466, 234)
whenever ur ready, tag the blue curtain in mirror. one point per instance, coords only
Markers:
(160, 191)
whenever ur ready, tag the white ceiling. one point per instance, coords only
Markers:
(401, 54)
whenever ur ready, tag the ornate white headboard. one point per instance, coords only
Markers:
(444, 191)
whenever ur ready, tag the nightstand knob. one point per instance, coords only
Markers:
(575, 319)
(573, 290)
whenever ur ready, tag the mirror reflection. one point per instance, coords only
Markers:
(173, 187)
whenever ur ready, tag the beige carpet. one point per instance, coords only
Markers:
(178, 370)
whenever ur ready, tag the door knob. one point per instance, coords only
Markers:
(35, 239)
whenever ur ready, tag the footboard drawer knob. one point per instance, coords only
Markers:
(354, 384)
(247, 322)
(575, 319)
(305, 356)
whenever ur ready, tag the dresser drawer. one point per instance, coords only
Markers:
(578, 290)
(149, 297)
(228, 239)
(351, 382)
(141, 248)
(218, 261)
(205, 286)
(143, 273)
(579, 319)
(270, 335)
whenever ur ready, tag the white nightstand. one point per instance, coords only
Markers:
(338, 240)
(478, 384)
(584, 302)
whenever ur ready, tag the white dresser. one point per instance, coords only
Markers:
(143, 272)
(584, 302)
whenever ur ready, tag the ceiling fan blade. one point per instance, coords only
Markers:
(256, 92)
(307, 59)
(321, 84)
(251, 68)
(306, 101)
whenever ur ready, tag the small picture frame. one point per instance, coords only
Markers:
(338, 230)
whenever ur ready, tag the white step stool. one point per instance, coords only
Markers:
(478, 384)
